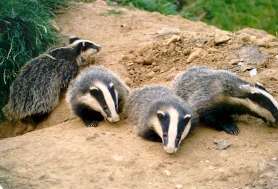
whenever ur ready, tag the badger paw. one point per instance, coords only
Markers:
(92, 124)
(230, 128)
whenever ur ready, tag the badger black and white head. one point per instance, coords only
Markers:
(159, 115)
(85, 47)
(97, 94)
(216, 95)
(37, 89)
(261, 102)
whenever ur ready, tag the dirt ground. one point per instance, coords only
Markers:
(146, 48)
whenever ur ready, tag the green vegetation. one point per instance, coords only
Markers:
(226, 14)
(235, 14)
(163, 6)
(25, 32)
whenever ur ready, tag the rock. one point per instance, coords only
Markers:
(197, 52)
(54, 24)
(222, 144)
(253, 72)
(117, 157)
(221, 38)
(139, 60)
(168, 30)
(150, 74)
(251, 55)
(178, 186)
(167, 172)
(173, 39)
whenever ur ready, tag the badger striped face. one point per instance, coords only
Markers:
(103, 98)
(262, 102)
(172, 126)
(84, 48)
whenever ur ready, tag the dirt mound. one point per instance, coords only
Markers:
(168, 54)
(148, 48)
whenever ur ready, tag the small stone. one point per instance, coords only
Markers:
(168, 30)
(197, 52)
(118, 157)
(179, 186)
(222, 144)
(55, 26)
(139, 60)
(150, 74)
(276, 56)
(156, 69)
(253, 72)
(147, 61)
(274, 158)
(234, 61)
(167, 172)
(173, 39)
(220, 38)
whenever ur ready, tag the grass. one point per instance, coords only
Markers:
(226, 14)
(25, 32)
(235, 14)
(166, 7)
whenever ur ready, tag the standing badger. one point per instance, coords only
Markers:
(216, 95)
(36, 90)
(97, 93)
(159, 115)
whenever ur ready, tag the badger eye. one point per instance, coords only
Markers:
(160, 115)
(93, 90)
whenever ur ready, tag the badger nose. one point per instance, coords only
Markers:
(170, 150)
(113, 119)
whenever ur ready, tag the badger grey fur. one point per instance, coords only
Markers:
(216, 95)
(160, 115)
(89, 94)
(36, 90)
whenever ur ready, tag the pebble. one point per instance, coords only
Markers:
(173, 39)
(167, 172)
(118, 157)
(220, 38)
(179, 186)
(197, 52)
(222, 144)
(253, 72)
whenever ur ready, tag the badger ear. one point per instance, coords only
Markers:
(160, 114)
(93, 88)
(260, 86)
(73, 39)
(186, 118)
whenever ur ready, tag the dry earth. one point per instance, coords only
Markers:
(149, 48)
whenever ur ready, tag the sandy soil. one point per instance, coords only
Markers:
(149, 48)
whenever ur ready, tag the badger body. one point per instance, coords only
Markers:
(36, 90)
(159, 115)
(217, 95)
(97, 94)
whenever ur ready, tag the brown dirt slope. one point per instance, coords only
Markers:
(149, 48)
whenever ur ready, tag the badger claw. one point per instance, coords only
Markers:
(92, 124)
(230, 128)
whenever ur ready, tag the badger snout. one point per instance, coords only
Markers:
(114, 119)
(170, 150)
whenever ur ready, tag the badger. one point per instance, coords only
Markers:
(36, 90)
(97, 94)
(217, 96)
(159, 115)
